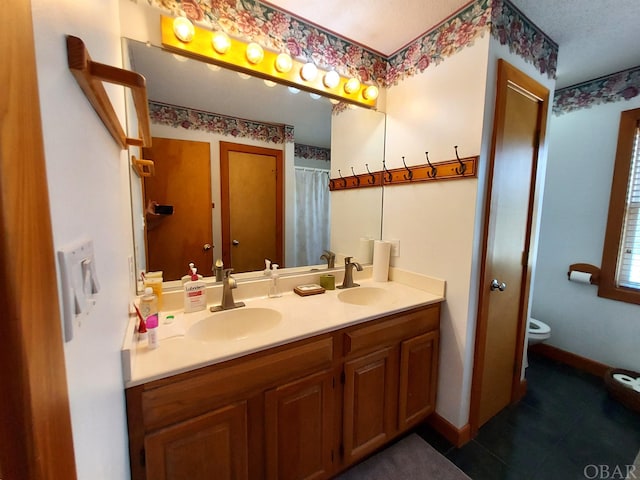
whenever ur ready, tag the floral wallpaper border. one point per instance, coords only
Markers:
(281, 31)
(192, 119)
(312, 153)
(623, 85)
(511, 27)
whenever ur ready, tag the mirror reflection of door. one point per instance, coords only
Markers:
(178, 181)
(251, 187)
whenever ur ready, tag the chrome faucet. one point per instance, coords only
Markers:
(348, 273)
(330, 257)
(228, 284)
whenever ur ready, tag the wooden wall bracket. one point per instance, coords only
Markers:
(144, 168)
(90, 75)
(447, 170)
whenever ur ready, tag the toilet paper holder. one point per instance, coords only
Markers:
(585, 268)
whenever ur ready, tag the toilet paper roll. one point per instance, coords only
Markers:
(365, 250)
(580, 277)
(381, 255)
(627, 380)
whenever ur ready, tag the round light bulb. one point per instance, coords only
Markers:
(284, 63)
(244, 76)
(221, 42)
(309, 72)
(294, 90)
(212, 67)
(334, 101)
(370, 93)
(180, 58)
(331, 79)
(255, 53)
(352, 85)
(183, 29)
(315, 96)
(269, 83)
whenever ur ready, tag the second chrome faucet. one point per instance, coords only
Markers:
(348, 273)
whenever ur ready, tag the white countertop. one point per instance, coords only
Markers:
(300, 317)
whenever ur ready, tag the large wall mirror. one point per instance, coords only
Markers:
(222, 143)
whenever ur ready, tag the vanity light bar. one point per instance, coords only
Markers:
(251, 58)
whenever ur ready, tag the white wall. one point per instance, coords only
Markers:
(88, 188)
(435, 221)
(582, 147)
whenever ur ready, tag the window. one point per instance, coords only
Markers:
(620, 278)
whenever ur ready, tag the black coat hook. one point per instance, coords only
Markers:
(356, 176)
(344, 180)
(388, 175)
(372, 180)
(330, 182)
(463, 167)
(408, 176)
(434, 171)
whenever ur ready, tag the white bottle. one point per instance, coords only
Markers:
(274, 287)
(149, 311)
(195, 298)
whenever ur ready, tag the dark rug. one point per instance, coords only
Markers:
(409, 459)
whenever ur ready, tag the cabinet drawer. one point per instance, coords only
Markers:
(389, 331)
(192, 396)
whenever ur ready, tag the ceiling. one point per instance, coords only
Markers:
(596, 37)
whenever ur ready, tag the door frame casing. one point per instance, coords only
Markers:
(507, 74)
(225, 148)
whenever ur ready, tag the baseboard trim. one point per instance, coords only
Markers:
(455, 436)
(571, 359)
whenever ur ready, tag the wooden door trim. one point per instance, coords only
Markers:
(225, 148)
(507, 76)
(36, 441)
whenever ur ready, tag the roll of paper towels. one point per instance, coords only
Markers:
(365, 250)
(580, 277)
(381, 255)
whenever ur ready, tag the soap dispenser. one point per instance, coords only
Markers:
(274, 286)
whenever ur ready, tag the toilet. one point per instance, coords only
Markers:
(537, 331)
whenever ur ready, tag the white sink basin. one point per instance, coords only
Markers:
(365, 296)
(234, 324)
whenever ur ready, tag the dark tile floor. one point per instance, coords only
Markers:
(566, 427)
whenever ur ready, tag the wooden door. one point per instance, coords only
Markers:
(369, 402)
(36, 441)
(252, 192)
(213, 445)
(521, 106)
(182, 179)
(298, 420)
(418, 379)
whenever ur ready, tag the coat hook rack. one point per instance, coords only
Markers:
(409, 175)
(372, 178)
(433, 170)
(463, 167)
(388, 176)
(344, 180)
(356, 177)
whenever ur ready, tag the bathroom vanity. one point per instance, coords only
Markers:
(304, 406)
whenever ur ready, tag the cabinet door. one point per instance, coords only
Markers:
(298, 421)
(418, 377)
(213, 445)
(369, 402)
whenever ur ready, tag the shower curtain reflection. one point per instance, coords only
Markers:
(313, 211)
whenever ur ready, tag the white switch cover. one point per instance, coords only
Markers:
(395, 248)
(79, 283)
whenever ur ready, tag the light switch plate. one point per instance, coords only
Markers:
(395, 247)
(79, 282)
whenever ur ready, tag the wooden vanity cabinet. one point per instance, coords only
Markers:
(390, 375)
(305, 410)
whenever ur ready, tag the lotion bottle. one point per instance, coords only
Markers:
(149, 311)
(195, 298)
(274, 286)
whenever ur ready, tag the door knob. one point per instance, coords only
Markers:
(235, 243)
(206, 247)
(496, 285)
